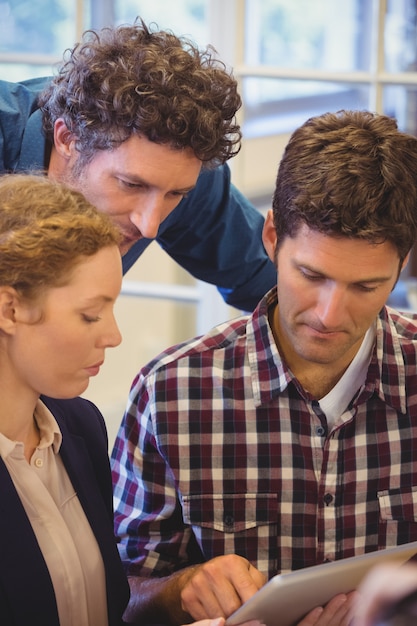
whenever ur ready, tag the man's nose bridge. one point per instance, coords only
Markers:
(332, 300)
(148, 215)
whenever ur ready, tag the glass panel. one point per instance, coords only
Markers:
(303, 34)
(40, 27)
(279, 106)
(401, 36)
(401, 102)
(183, 17)
(14, 72)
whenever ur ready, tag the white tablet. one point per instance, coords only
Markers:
(287, 598)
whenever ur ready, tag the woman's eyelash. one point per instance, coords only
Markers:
(91, 319)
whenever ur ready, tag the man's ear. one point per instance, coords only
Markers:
(63, 139)
(269, 236)
(407, 258)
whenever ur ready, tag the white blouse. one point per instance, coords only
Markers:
(64, 535)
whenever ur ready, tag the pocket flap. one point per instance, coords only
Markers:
(398, 504)
(230, 513)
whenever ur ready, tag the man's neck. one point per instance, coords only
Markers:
(319, 380)
(316, 378)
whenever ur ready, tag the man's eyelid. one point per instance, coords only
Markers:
(183, 192)
(369, 285)
(310, 273)
(132, 183)
(143, 184)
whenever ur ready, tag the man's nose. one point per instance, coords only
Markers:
(331, 306)
(148, 216)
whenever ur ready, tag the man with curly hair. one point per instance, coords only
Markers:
(143, 123)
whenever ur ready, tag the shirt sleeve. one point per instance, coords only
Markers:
(152, 536)
(18, 101)
(215, 233)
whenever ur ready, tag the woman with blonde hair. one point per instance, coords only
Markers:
(60, 274)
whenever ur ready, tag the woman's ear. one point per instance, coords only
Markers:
(9, 304)
(15, 310)
(269, 236)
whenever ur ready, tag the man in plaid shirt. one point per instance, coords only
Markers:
(287, 438)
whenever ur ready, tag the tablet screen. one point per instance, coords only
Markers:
(287, 598)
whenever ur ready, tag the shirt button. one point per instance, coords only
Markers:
(39, 462)
(229, 520)
(316, 407)
(328, 498)
(320, 431)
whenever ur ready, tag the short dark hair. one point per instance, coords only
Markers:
(130, 79)
(350, 174)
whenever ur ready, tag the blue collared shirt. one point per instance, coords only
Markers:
(214, 233)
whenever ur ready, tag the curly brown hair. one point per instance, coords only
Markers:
(349, 174)
(45, 230)
(129, 79)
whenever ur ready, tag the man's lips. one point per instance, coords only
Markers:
(129, 240)
(323, 332)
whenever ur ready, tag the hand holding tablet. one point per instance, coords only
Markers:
(287, 598)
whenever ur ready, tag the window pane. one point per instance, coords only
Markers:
(279, 106)
(401, 102)
(318, 35)
(315, 34)
(401, 36)
(183, 17)
(19, 71)
(40, 27)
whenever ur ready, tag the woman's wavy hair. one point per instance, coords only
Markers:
(46, 229)
(130, 79)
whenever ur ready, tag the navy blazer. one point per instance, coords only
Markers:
(26, 592)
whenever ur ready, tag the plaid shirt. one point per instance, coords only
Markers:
(221, 451)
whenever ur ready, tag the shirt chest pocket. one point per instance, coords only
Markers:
(230, 513)
(398, 504)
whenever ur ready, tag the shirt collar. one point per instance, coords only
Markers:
(388, 369)
(50, 433)
(269, 374)
(386, 373)
(34, 146)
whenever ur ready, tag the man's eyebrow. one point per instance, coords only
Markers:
(185, 189)
(135, 179)
(361, 281)
(376, 279)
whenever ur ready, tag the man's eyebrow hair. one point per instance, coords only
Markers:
(189, 188)
(376, 279)
(134, 178)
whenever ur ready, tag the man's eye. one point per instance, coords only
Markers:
(130, 185)
(312, 277)
(366, 288)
